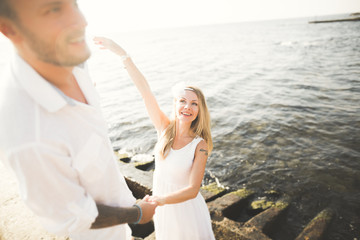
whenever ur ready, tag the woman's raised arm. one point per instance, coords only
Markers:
(157, 116)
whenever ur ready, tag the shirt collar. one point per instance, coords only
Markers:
(43, 92)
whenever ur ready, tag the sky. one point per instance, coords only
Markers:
(127, 15)
(114, 16)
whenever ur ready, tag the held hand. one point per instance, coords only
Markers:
(157, 199)
(106, 43)
(148, 210)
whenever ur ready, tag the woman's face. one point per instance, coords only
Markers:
(187, 106)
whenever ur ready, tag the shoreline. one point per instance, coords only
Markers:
(226, 209)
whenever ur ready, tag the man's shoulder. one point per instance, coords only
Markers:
(17, 111)
(12, 95)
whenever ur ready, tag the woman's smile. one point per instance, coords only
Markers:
(187, 105)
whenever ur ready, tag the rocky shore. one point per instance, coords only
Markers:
(236, 214)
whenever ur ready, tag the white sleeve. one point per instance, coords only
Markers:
(50, 187)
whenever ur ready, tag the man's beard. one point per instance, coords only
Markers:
(56, 53)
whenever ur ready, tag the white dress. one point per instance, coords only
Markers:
(189, 220)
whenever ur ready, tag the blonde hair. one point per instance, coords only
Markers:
(200, 126)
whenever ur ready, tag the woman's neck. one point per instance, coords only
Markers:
(183, 130)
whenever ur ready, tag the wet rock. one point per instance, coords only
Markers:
(145, 166)
(272, 193)
(150, 237)
(140, 231)
(144, 162)
(228, 229)
(261, 204)
(265, 220)
(212, 191)
(317, 227)
(123, 156)
(140, 182)
(229, 204)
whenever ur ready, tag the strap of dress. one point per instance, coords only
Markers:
(195, 142)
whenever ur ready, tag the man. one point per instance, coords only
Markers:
(52, 133)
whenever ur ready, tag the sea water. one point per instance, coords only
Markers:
(284, 99)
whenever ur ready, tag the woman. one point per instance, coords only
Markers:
(181, 152)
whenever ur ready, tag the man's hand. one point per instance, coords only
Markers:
(148, 209)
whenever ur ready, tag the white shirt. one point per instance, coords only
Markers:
(60, 152)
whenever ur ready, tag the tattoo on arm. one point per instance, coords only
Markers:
(205, 151)
(110, 216)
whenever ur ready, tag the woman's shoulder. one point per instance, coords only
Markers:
(201, 147)
(200, 142)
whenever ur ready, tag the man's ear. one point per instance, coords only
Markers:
(8, 29)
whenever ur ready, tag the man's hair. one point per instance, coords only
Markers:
(6, 10)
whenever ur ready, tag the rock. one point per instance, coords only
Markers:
(230, 230)
(229, 205)
(265, 220)
(140, 182)
(145, 166)
(151, 237)
(140, 231)
(262, 204)
(123, 156)
(317, 227)
(212, 191)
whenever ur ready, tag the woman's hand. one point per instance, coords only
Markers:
(106, 43)
(157, 116)
(157, 199)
